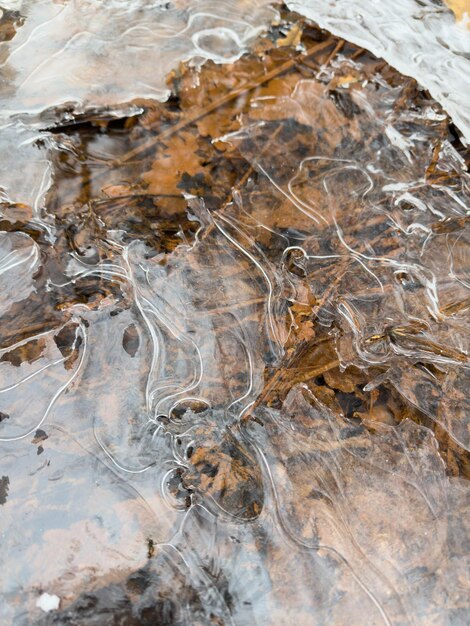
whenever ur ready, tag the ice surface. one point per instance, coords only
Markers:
(234, 327)
(67, 57)
(102, 53)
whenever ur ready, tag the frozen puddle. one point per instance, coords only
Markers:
(234, 300)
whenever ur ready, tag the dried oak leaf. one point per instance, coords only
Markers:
(223, 469)
(174, 158)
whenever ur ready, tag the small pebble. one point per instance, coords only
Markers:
(48, 602)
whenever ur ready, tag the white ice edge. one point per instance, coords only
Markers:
(419, 40)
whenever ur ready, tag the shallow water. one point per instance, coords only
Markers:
(234, 339)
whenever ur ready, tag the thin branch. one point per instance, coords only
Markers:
(249, 86)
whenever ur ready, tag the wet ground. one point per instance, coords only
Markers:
(234, 339)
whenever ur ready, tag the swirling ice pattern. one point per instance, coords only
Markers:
(158, 498)
(72, 56)
(92, 53)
